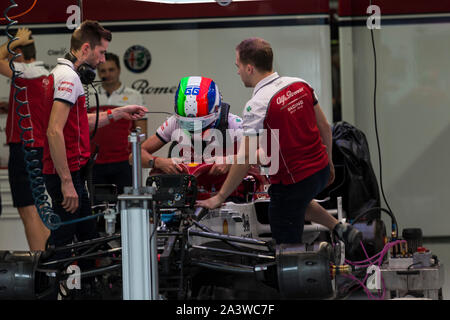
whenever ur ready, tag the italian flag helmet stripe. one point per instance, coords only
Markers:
(213, 97)
(191, 93)
(180, 97)
(196, 97)
(202, 98)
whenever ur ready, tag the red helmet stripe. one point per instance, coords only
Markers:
(202, 98)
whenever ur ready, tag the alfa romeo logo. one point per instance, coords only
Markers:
(137, 59)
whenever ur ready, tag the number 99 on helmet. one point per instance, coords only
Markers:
(197, 103)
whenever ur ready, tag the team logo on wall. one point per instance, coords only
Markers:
(223, 3)
(137, 59)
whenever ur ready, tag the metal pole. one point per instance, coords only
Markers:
(339, 209)
(137, 171)
(139, 254)
(154, 254)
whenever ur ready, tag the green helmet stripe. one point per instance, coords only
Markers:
(182, 96)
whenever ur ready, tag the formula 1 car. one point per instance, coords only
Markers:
(226, 253)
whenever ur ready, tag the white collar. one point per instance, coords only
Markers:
(66, 62)
(265, 81)
(35, 63)
(119, 90)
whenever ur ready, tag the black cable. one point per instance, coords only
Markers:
(97, 109)
(162, 112)
(375, 113)
(376, 124)
(362, 214)
(407, 275)
(155, 222)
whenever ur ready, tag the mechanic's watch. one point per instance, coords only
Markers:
(110, 115)
(151, 162)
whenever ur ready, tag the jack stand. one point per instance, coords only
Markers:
(139, 251)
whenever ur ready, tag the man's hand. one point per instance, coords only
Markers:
(211, 203)
(23, 35)
(219, 169)
(169, 165)
(131, 112)
(70, 201)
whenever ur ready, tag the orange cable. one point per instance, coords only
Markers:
(23, 13)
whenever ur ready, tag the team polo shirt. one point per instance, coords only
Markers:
(287, 104)
(67, 88)
(34, 80)
(113, 139)
(170, 130)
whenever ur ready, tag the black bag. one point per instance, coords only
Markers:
(355, 179)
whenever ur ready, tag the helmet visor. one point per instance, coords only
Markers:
(196, 124)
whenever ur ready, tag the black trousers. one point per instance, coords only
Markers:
(118, 173)
(79, 231)
(288, 205)
(19, 182)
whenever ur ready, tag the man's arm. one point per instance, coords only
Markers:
(5, 69)
(23, 35)
(150, 146)
(58, 118)
(234, 177)
(327, 137)
(103, 120)
(131, 112)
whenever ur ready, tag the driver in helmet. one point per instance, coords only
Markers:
(199, 116)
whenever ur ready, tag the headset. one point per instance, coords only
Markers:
(85, 71)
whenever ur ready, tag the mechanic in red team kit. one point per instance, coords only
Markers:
(33, 78)
(111, 165)
(290, 106)
(67, 150)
